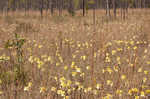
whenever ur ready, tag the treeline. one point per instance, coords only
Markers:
(70, 5)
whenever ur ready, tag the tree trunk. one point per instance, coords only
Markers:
(52, 7)
(41, 7)
(114, 7)
(83, 7)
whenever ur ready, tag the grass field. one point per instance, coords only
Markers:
(64, 57)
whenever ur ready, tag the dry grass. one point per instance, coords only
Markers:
(61, 54)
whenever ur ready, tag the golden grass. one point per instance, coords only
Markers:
(64, 61)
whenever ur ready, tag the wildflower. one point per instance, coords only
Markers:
(134, 89)
(88, 67)
(59, 92)
(55, 78)
(135, 47)
(57, 64)
(119, 49)
(82, 74)
(132, 42)
(69, 82)
(142, 93)
(1, 92)
(65, 67)
(73, 56)
(66, 97)
(148, 62)
(78, 70)
(119, 92)
(95, 54)
(147, 91)
(53, 89)
(103, 70)
(98, 86)
(145, 72)
(72, 65)
(85, 90)
(77, 83)
(113, 52)
(123, 77)
(137, 97)
(89, 89)
(115, 68)
(62, 79)
(144, 79)
(40, 46)
(69, 91)
(83, 57)
(29, 84)
(109, 70)
(42, 89)
(74, 74)
(26, 88)
(118, 58)
(140, 70)
(145, 51)
(109, 82)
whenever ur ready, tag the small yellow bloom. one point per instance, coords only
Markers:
(53, 89)
(137, 97)
(142, 93)
(119, 92)
(66, 97)
(98, 86)
(42, 89)
(145, 72)
(1, 92)
(74, 74)
(113, 52)
(40, 46)
(147, 91)
(89, 89)
(140, 70)
(109, 82)
(88, 67)
(144, 79)
(78, 70)
(145, 51)
(57, 64)
(123, 77)
(65, 67)
(135, 90)
(109, 70)
(29, 84)
(26, 88)
(132, 42)
(135, 47)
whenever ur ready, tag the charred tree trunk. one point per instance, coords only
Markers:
(83, 7)
(124, 9)
(41, 7)
(52, 7)
(114, 8)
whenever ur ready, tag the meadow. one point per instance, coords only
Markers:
(65, 57)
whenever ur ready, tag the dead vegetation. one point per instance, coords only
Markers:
(60, 55)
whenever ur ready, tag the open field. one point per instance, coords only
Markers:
(58, 57)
